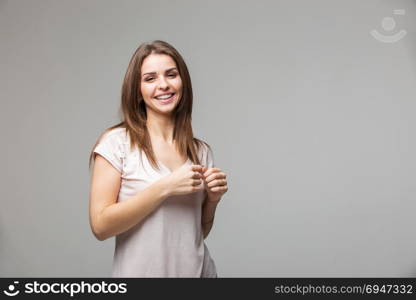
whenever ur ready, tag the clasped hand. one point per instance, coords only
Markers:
(191, 178)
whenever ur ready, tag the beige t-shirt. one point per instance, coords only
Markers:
(169, 241)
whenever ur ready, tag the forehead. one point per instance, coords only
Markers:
(157, 63)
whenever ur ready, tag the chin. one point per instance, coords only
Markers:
(167, 109)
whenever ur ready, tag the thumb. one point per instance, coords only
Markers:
(204, 169)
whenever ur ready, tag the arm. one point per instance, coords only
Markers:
(208, 215)
(109, 218)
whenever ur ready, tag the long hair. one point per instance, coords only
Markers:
(133, 108)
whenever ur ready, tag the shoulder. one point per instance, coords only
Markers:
(112, 139)
(201, 145)
(204, 150)
(115, 135)
(119, 132)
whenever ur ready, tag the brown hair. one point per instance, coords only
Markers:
(133, 108)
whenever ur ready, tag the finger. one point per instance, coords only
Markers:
(213, 176)
(198, 187)
(196, 175)
(211, 170)
(222, 188)
(196, 182)
(197, 168)
(217, 182)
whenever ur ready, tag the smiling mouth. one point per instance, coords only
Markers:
(165, 97)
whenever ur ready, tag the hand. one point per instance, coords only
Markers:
(185, 180)
(215, 183)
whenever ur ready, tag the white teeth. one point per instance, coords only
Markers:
(164, 96)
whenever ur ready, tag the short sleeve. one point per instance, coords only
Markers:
(209, 158)
(110, 147)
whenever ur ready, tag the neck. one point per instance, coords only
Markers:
(160, 127)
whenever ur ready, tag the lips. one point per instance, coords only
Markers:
(164, 96)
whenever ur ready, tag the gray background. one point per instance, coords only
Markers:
(311, 118)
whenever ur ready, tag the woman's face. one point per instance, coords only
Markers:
(161, 84)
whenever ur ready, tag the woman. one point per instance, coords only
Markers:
(160, 201)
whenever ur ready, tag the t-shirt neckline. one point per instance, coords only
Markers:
(169, 170)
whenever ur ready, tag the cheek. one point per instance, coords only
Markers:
(178, 84)
(146, 90)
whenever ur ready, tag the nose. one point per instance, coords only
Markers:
(163, 84)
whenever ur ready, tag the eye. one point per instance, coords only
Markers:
(172, 75)
(148, 78)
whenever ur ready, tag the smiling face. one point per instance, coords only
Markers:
(161, 84)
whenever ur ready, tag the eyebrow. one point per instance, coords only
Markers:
(151, 73)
